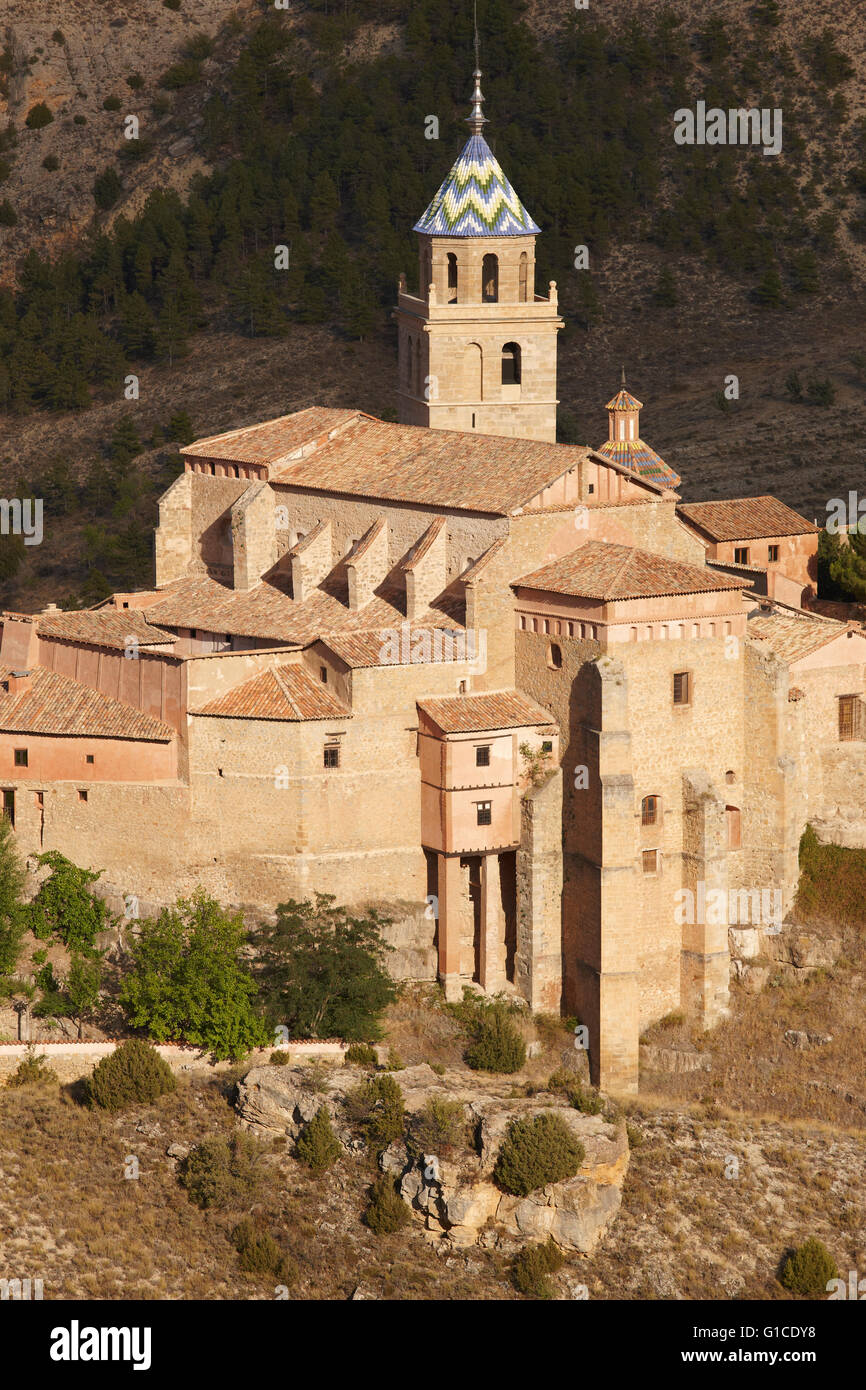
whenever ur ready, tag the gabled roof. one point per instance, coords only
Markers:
(55, 704)
(745, 518)
(286, 693)
(104, 627)
(792, 638)
(495, 709)
(274, 441)
(424, 544)
(475, 199)
(602, 570)
(408, 645)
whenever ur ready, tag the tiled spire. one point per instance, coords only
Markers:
(625, 446)
(476, 198)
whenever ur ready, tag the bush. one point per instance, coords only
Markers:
(222, 1172)
(180, 75)
(33, 1070)
(378, 1107)
(529, 1269)
(107, 188)
(51, 162)
(809, 1269)
(38, 116)
(135, 81)
(8, 215)
(258, 1252)
(569, 1084)
(111, 103)
(387, 1212)
(134, 1074)
(440, 1126)
(171, 4)
(318, 1145)
(79, 119)
(280, 1059)
(496, 1045)
(536, 1152)
(362, 1055)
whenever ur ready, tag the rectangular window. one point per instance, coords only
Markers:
(650, 861)
(88, 757)
(485, 812)
(332, 755)
(482, 756)
(547, 746)
(20, 757)
(741, 555)
(772, 553)
(9, 806)
(682, 688)
(732, 815)
(323, 675)
(82, 794)
(849, 717)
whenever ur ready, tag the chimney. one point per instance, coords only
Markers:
(19, 682)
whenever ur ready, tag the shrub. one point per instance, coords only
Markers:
(8, 215)
(107, 188)
(536, 1152)
(79, 119)
(395, 1061)
(378, 1107)
(440, 1126)
(180, 74)
(362, 1055)
(809, 1269)
(135, 81)
(198, 48)
(111, 103)
(258, 1252)
(222, 1172)
(51, 162)
(280, 1059)
(568, 1083)
(58, 36)
(171, 4)
(496, 1045)
(33, 1070)
(134, 1074)
(529, 1269)
(387, 1212)
(318, 1145)
(38, 116)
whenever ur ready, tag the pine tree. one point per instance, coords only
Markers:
(318, 1145)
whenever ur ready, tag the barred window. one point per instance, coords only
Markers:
(649, 810)
(650, 861)
(682, 688)
(850, 721)
(485, 812)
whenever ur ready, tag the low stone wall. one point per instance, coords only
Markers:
(73, 1060)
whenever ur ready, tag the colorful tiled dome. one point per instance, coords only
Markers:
(476, 199)
(624, 400)
(633, 453)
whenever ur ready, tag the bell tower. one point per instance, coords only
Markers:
(477, 345)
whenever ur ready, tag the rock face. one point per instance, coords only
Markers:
(453, 1192)
(757, 953)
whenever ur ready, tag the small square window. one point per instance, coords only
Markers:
(482, 756)
(485, 812)
(20, 757)
(547, 746)
(772, 553)
(591, 487)
(88, 757)
(332, 756)
(650, 861)
(682, 688)
(741, 555)
(82, 794)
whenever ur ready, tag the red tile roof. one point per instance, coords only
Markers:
(792, 638)
(286, 693)
(599, 569)
(274, 441)
(419, 646)
(56, 704)
(745, 518)
(104, 627)
(496, 709)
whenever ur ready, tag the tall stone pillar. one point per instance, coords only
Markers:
(705, 959)
(492, 944)
(450, 925)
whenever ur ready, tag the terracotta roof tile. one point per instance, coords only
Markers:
(403, 646)
(484, 560)
(56, 704)
(599, 569)
(286, 693)
(745, 518)
(792, 638)
(105, 627)
(495, 709)
(274, 441)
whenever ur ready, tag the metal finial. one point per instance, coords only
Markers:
(622, 379)
(476, 119)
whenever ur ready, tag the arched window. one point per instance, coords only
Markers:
(524, 277)
(649, 810)
(732, 815)
(452, 278)
(490, 278)
(511, 364)
(472, 380)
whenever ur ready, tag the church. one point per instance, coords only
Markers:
(516, 694)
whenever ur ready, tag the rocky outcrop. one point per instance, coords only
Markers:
(757, 953)
(454, 1192)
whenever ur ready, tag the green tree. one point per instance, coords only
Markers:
(536, 1152)
(64, 906)
(769, 293)
(107, 188)
(78, 997)
(318, 1145)
(38, 116)
(12, 922)
(809, 1269)
(134, 1074)
(189, 980)
(321, 970)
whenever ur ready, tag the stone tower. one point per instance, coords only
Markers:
(477, 346)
